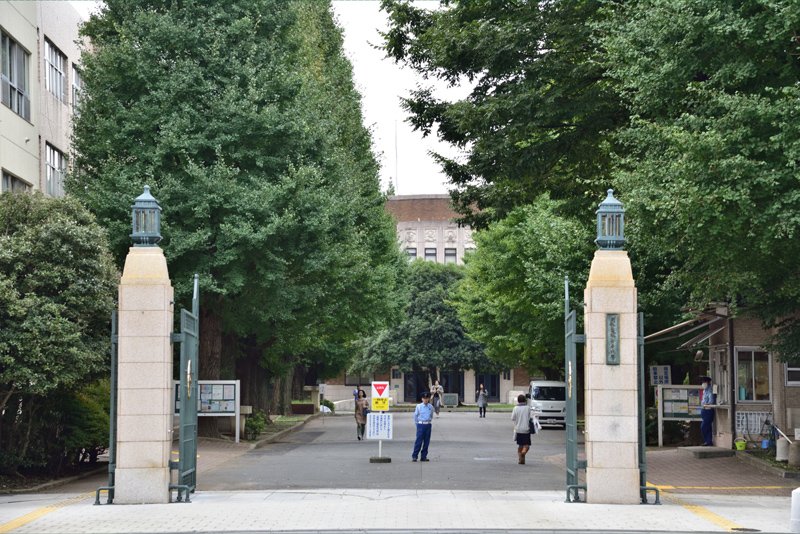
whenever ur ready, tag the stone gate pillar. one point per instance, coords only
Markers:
(612, 437)
(145, 391)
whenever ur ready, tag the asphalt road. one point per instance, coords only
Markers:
(466, 453)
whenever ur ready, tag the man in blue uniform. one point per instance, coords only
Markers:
(423, 418)
(707, 412)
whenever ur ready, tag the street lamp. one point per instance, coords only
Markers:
(610, 224)
(146, 220)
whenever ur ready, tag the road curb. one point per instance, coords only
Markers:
(274, 437)
(56, 483)
(764, 466)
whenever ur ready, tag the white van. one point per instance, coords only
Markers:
(548, 401)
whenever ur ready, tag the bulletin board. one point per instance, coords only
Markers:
(217, 398)
(677, 403)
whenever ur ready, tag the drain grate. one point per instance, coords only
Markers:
(743, 529)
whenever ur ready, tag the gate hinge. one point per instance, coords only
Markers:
(176, 337)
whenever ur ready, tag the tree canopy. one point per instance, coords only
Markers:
(687, 108)
(540, 111)
(57, 289)
(512, 296)
(430, 336)
(243, 119)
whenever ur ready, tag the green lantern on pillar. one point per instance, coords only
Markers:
(146, 220)
(610, 224)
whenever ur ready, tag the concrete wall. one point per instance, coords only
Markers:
(23, 142)
(19, 138)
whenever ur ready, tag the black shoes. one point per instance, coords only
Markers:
(413, 459)
(424, 460)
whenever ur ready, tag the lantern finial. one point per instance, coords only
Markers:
(610, 223)
(146, 220)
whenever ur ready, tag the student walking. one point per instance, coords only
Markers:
(423, 420)
(521, 417)
(362, 408)
(437, 394)
(482, 398)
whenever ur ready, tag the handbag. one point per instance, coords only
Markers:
(532, 426)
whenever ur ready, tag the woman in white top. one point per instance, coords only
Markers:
(522, 431)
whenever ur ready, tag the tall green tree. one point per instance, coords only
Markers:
(711, 167)
(243, 119)
(57, 288)
(512, 296)
(540, 111)
(430, 336)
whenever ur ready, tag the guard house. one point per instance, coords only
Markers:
(753, 388)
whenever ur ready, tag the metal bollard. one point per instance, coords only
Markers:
(795, 513)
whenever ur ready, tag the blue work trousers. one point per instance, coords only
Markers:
(423, 440)
(706, 425)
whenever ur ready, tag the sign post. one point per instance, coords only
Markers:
(379, 423)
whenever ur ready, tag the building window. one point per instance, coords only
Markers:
(56, 169)
(14, 91)
(358, 380)
(450, 255)
(55, 68)
(430, 254)
(13, 184)
(77, 87)
(412, 253)
(396, 374)
(507, 374)
(792, 376)
(752, 375)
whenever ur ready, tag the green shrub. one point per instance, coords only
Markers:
(256, 424)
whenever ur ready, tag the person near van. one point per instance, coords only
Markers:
(437, 397)
(423, 420)
(362, 408)
(707, 412)
(482, 398)
(521, 416)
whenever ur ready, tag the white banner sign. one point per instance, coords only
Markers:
(379, 425)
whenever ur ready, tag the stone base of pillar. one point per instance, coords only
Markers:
(141, 485)
(612, 486)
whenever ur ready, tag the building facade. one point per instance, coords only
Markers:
(40, 85)
(426, 230)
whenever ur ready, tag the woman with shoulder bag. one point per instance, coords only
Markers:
(362, 408)
(521, 417)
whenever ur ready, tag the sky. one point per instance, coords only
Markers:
(403, 153)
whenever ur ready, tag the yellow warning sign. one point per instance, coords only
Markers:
(380, 404)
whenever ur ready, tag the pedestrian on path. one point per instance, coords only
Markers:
(482, 398)
(423, 420)
(521, 417)
(437, 393)
(362, 408)
(707, 412)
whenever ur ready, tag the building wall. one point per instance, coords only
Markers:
(784, 408)
(426, 222)
(59, 24)
(23, 142)
(19, 138)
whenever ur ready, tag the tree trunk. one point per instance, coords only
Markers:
(210, 360)
(254, 380)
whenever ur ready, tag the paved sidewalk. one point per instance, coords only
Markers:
(709, 495)
(348, 510)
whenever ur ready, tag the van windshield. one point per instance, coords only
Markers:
(551, 393)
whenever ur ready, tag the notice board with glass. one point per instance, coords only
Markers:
(217, 398)
(677, 403)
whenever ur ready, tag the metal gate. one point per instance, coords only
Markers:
(188, 394)
(112, 419)
(571, 340)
